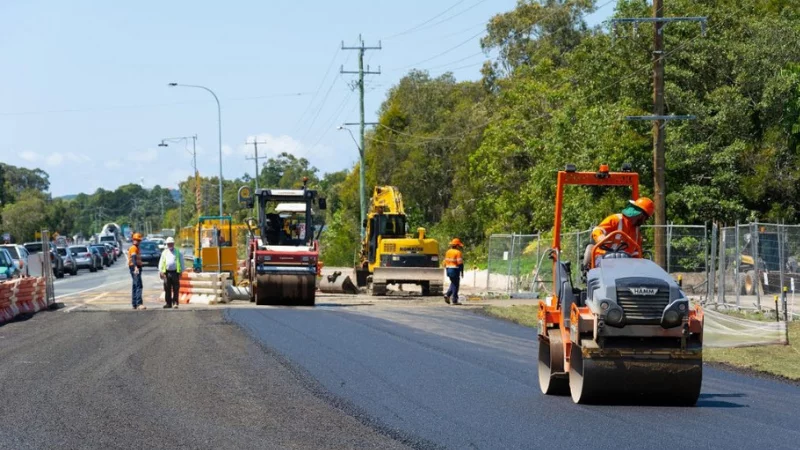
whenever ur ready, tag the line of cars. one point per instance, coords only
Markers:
(69, 259)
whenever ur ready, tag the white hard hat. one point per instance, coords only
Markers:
(170, 240)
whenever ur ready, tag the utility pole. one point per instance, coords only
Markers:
(256, 157)
(361, 72)
(659, 119)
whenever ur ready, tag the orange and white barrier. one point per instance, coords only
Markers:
(22, 296)
(203, 288)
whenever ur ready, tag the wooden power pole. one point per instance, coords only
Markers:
(659, 119)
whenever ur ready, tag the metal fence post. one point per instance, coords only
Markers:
(508, 270)
(669, 245)
(781, 254)
(709, 264)
(722, 265)
(756, 256)
(737, 268)
(488, 262)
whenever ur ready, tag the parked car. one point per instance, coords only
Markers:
(33, 247)
(68, 260)
(104, 254)
(149, 252)
(98, 253)
(57, 263)
(8, 268)
(112, 251)
(20, 257)
(160, 242)
(85, 258)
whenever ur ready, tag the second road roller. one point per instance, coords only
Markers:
(630, 335)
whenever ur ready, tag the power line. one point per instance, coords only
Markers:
(144, 106)
(470, 39)
(321, 82)
(416, 27)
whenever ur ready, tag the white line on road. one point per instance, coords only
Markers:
(90, 289)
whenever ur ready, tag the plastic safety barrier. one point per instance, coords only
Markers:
(22, 296)
(203, 288)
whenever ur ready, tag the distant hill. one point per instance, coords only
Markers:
(176, 194)
(68, 197)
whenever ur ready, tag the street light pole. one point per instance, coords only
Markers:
(198, 192)
(219, 122)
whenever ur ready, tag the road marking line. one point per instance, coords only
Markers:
(91, 289)
(96, 298)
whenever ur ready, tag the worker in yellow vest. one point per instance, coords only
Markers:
(170, 266)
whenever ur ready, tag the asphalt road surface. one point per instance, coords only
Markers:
(388, 374)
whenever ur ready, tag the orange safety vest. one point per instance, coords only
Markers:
(617, 222)
(133, 254)
(453, 258)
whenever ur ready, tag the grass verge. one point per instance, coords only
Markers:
(782, 361)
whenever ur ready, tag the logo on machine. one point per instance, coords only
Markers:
(644, 291)
(411, 249)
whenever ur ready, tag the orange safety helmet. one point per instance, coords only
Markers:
(456, 242)
(646, 205)
(136, 237)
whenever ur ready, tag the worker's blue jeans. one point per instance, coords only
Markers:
(454, 274)
(136, 290)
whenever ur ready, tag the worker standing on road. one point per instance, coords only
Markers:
(170, 267)
(633, 216)
(135, 266)
(454, 265)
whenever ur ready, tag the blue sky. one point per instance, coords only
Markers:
(83, 84)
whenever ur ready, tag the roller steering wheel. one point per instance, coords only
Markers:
(616, 242)
(609, 247)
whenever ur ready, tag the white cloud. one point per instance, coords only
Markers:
(227, 150)
(271, 146)
(148, 155)
(54, 159)
(30, 156)
(77, 158)
(112, 164)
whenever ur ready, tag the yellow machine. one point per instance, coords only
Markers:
(389, 255)
(213, 242)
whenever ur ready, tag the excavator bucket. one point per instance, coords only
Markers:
(337, 283)
(431, 279)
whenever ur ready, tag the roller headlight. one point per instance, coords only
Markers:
(614, 316)
(672, 317)
(604, 305)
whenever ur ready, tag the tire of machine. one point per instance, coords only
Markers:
(552, 379)
(287, 290)
(426, 288)
(673, 383)
(378, 289)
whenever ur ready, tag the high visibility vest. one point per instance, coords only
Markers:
(453, 258)
(162, 263)
(133, 256)
(617, 222)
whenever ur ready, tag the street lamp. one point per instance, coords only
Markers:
(219, 122)
(362, 193)
(194, 164)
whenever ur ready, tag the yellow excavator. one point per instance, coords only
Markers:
(389, 255)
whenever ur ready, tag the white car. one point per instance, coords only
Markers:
(159, 242)
(20, 256)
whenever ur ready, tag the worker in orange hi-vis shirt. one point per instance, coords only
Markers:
(454, 265)
(633, 216)
(135, 267)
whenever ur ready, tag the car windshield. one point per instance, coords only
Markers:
(149, 246)
(12, 251)
(34, 247)
(62, 251)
